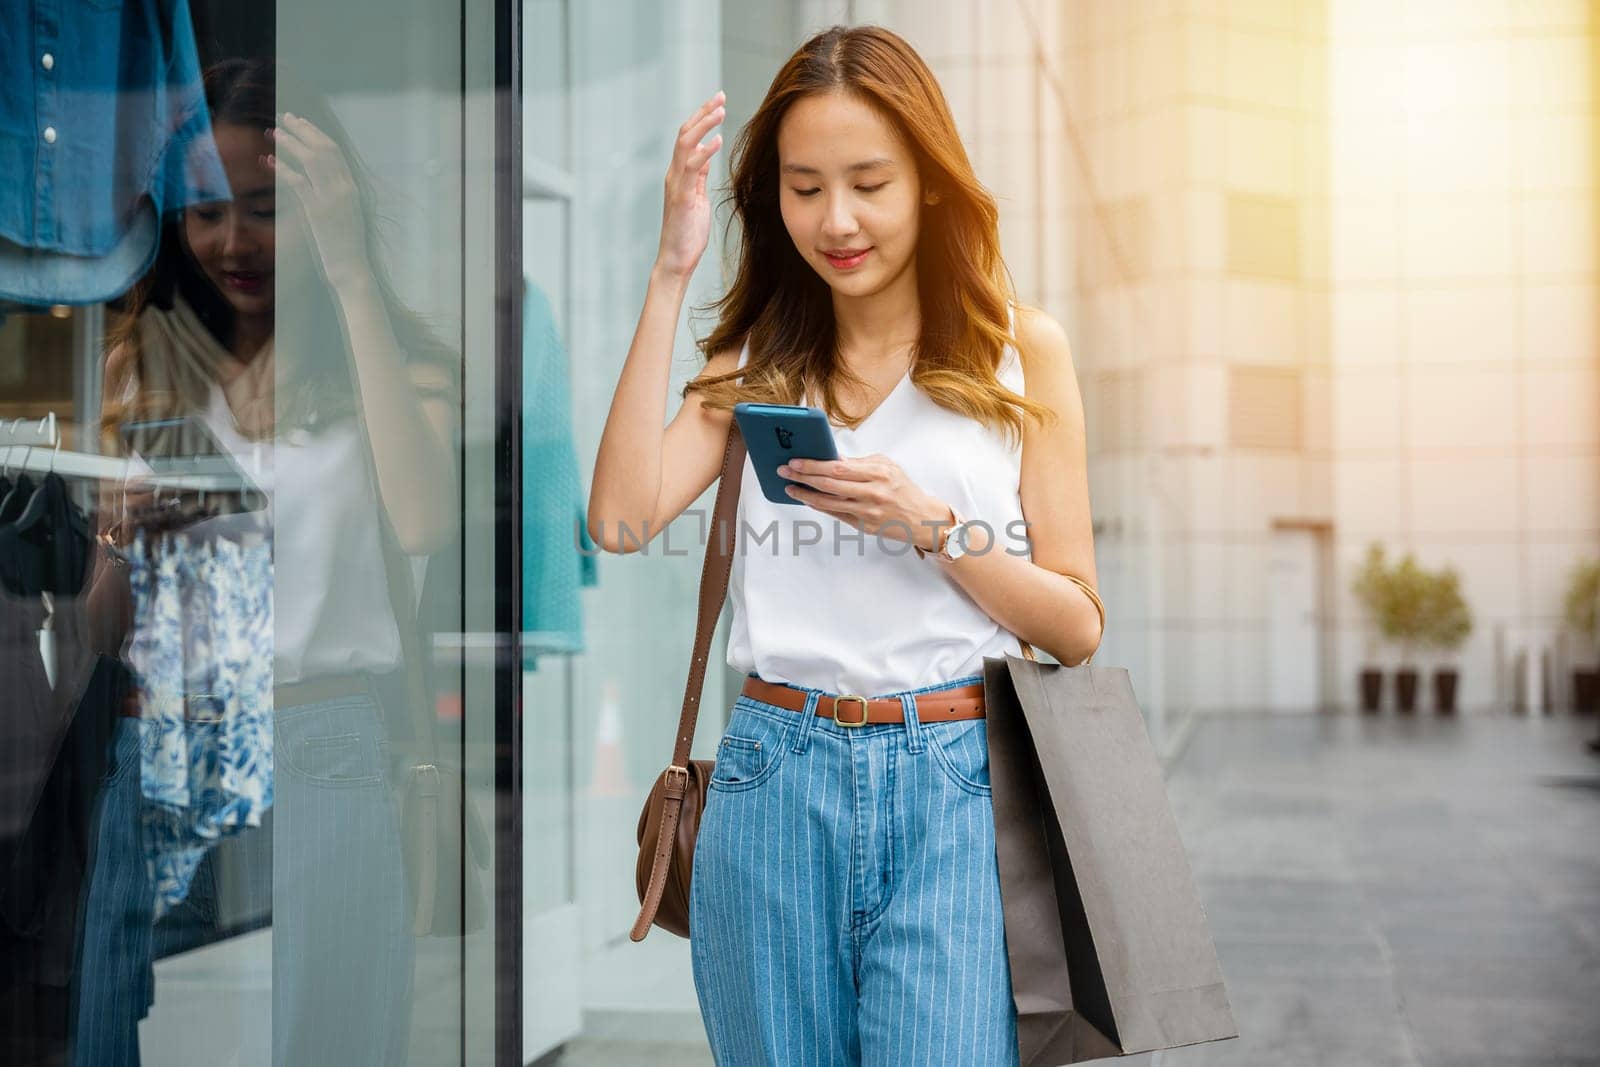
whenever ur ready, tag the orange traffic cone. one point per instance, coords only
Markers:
(610, 777)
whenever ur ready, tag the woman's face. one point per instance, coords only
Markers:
(235, 241)
(849, 192)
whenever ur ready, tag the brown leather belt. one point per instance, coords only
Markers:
(852, 709)
(289, 695)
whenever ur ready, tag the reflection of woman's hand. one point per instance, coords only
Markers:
(872, 494)
(119, 503)
(142, 508)
(314, 168)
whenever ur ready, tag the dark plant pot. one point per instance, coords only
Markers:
(1405, 690)
(1444, 690)
(1585, 692)
(1371, 691)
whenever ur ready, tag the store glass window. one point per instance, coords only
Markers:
(258, 551)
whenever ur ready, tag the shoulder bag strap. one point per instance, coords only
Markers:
(423, 786)
(403, 601)
(718, 564)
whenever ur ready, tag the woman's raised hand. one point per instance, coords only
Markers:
(686, 211)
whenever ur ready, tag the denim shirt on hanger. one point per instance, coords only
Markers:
(103, 120)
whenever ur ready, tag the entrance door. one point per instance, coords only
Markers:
(1294, 660)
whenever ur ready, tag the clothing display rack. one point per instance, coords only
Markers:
(34, 445)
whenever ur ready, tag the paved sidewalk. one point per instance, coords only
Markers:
(1390, 892)
(1384, 892)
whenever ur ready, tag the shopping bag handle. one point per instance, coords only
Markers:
(1099, 606)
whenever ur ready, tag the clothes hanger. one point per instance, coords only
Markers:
(41, 503)
(14, 501)
(51, 512)
(24, 582)
(5, 465)
(38, 504)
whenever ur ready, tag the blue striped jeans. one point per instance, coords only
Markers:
(845, 898)
(114, 984)
(342, 951)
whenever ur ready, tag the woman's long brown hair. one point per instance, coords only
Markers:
(785, 310)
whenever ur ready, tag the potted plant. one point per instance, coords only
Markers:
(1447, 623)
(1583, 615)
(1406, 622)
(1370, 586)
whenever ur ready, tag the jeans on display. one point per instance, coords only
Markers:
(845, 897)
(342, 950)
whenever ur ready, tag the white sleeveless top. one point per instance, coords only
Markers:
(854, 612)
(331, 606)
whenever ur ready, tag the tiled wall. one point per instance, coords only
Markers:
(1325, 264)
(1200, 332)
(1466, 380)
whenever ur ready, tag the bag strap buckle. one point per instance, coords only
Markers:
(427, 777)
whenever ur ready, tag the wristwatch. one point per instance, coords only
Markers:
(952, 544)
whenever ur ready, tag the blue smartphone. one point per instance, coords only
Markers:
(776, 433)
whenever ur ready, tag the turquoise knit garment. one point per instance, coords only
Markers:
(554, 526)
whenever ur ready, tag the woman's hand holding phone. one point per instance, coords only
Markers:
(686, 210)
(871, 493)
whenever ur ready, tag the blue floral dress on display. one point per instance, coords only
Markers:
(201, 649)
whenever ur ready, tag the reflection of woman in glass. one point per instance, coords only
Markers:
(272, 322)
(845, 898)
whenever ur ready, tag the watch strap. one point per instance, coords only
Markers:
(944, 538)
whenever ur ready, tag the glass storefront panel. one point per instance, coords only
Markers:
(256, 530)
(600, 114)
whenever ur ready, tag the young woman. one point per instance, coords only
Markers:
(270, 323)
(845, 899)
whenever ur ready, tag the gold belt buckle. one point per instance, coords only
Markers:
(850, 696)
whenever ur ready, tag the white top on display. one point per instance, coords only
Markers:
(331, 605)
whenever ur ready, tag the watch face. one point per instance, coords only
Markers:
(956, 543)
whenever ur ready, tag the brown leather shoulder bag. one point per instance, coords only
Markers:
(671, 814)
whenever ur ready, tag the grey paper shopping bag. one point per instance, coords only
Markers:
(1109, 946)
